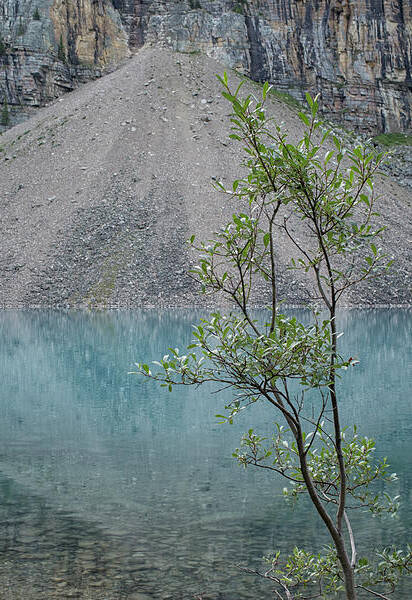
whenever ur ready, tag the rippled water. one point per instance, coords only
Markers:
(112, 488)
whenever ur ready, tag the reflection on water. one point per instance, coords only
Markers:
(113, 488)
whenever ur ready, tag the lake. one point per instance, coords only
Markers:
(111, 487)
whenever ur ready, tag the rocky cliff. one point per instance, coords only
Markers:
(48, 46)
(356, 54)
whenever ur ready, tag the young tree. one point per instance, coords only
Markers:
(284, 362)
(2, 47)
(5, 114)
(61, 52)
(21, 30)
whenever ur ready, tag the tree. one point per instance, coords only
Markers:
(5, 114)
(21, 30)
(293, 366)
(61, 52)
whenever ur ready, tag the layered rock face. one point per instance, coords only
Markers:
(356, 54)
(48, 46)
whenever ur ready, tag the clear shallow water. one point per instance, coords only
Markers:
(111, 487)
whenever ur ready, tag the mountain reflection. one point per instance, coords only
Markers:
(111, 486)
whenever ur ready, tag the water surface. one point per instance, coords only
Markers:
(111, 487)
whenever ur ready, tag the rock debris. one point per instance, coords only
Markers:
(99, 195)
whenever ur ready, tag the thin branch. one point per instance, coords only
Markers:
(270, 577)
(352, 540)
(273, 268)
(377, 594)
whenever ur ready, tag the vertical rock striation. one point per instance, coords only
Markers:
(48, 46)
(355, 53)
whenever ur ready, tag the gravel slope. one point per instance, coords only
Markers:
(100, 190)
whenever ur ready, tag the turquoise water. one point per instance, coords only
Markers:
(111, 487)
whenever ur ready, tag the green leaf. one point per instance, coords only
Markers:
(304, 118)
(239, 86)
(337, 143)
(229, 97)
(266, 239)
(365, 199)
(315, 107)
(309, 99)
(326, 135)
